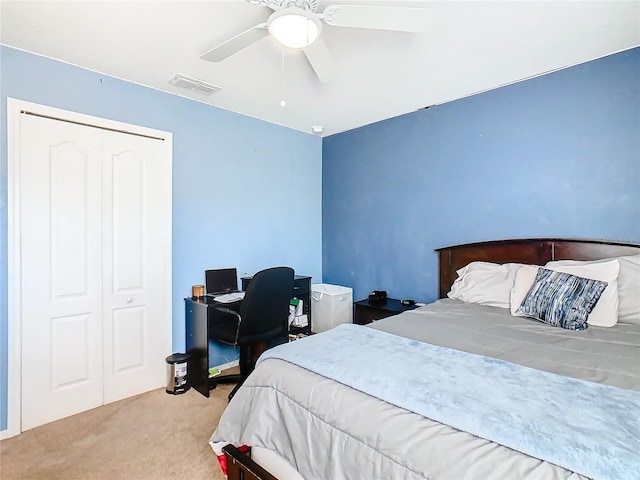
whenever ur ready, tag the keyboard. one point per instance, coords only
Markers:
(228, 297)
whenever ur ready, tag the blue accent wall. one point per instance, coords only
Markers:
(246, 193)
(554, 156)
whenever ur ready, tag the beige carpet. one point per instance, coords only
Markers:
(150, 436)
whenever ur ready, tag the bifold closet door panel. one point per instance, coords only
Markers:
(137, 230)
(60, 195)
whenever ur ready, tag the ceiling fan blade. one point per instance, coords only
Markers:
(400, 19)
(237, 43)
(320, 60)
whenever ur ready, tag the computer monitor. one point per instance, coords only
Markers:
(221, 281)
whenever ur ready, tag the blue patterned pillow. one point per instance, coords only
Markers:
(561, 299)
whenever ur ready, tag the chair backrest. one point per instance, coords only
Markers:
(265, 307)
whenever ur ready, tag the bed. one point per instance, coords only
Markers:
(465, 387)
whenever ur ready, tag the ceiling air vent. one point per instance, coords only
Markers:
(193, 84)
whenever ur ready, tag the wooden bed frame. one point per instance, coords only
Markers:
(533, 251)
(240, 466)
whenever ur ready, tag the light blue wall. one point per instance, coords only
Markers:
(556, 156)
(246, 193)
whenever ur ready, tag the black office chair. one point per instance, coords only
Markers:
(261, 323)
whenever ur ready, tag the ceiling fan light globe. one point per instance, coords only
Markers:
(294, 27)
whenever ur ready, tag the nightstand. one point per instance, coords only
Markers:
(365, 312)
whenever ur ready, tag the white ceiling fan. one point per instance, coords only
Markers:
(295, 24)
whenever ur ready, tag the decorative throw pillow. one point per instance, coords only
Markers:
(605, 313)
(525, 276)
(561, 299)
(485, 283)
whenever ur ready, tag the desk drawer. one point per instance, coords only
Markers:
(299, 290)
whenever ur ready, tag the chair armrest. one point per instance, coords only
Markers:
(230, 312)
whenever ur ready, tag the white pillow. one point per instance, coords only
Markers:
(485, 283)
(604, 314)
(629, 289)
(628, 285)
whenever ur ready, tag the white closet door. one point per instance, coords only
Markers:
(137, 232)
(95, 228)
(61, 281)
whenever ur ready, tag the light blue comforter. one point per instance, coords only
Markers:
(585, 427)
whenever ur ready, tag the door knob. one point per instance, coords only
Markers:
(129, 300)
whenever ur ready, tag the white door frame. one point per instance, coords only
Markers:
(14, 292)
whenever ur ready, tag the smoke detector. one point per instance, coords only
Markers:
(317, 129)
(193, 84)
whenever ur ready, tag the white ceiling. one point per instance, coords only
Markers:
(471, 46)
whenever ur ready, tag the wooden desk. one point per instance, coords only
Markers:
(199, 313)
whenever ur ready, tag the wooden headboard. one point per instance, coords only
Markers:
(533, 251)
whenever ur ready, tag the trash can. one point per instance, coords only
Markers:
(177, 379)
(331, 306)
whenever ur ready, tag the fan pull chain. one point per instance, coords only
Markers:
(283, 102)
